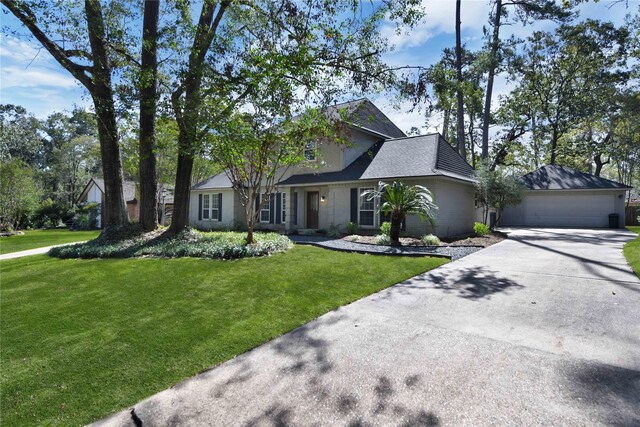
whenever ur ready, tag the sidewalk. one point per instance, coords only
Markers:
(36, 251)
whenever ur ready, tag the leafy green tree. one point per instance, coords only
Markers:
(236, 49)
(562, 74)
(495, 188)
(257, 149)
(19, 136)
(399, 200)
(525, 11)
(19, 194)
(89, 53)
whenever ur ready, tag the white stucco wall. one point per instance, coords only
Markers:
(228, 210)
(455, 200)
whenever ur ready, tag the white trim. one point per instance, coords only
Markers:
(314, 150)
(210, 197)
(373, 211)
(265, 208)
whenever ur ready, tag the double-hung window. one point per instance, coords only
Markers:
(215, 207)
(206, 207)
(366, 209)
(265, 210)
(310, 151)
(211, 206)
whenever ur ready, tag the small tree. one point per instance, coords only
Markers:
(18, 193)
(496, 189)
(256, 150)
(400, 200)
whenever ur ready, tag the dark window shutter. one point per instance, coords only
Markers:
(278, 208)
(403, 225)
(272, 207)
(257, 203)
(354, 205)
(199, 207)
(294, 208)
(219, 206)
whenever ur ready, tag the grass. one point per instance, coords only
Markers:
(39, 238)
(631, 250)
(84, 338)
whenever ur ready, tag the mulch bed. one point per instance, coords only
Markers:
(484, 241)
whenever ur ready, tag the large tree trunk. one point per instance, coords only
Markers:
(459, 94)
(445, 125)
(554, 146)
(148, 103)
(188, 112)
(180, 216)
(495, 43)
(599, 163)
(102, 94)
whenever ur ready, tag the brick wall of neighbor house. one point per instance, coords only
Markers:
(211, 224)
(133, 210)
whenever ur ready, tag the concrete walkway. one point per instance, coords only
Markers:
(36, 251)
(541, 329)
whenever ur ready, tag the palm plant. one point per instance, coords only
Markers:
(399, 200)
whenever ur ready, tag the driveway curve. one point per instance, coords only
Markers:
(540, 329)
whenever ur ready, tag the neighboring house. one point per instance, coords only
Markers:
(326, 191)
(557, 196)
(94, 193)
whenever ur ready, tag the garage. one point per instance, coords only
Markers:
(557, 196)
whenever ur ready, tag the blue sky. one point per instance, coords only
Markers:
(30, 77)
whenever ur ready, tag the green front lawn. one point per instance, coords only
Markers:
(39, 238)
(84, 338)
(632, 250)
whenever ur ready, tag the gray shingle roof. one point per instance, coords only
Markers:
(220, 180)
(554, 177)
(425, 155)
(365, 114)
(128, 188)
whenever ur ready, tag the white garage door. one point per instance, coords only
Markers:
(567, 209)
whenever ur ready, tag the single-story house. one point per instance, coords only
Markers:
(326, 191)
(93, 192)
(558, 196)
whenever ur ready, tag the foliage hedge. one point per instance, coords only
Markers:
(189, 243)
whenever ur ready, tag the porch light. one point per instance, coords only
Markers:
(322, 199)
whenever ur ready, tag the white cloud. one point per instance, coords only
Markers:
(19, 51)
(14, 76)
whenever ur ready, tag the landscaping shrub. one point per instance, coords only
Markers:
(189, 243)
(480, 229)
(86, 217)
(352, 228)
(334, 230)
(51, 214)
(385, 228)
(430, 240)
(383, 239)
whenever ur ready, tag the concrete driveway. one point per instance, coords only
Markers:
(541, 329)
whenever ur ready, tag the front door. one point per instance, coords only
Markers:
(313, 204)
